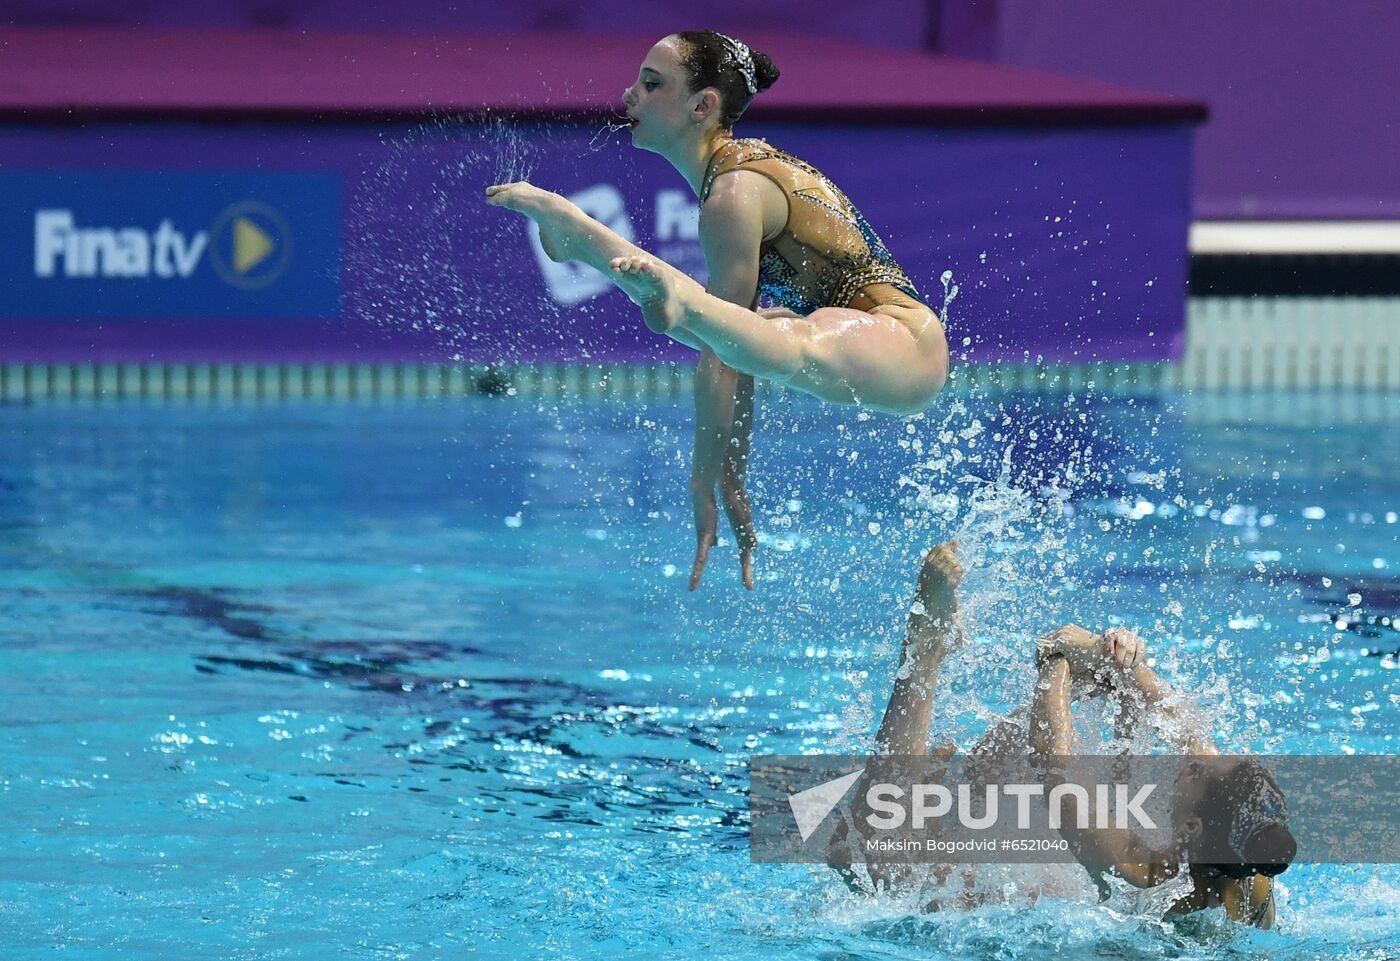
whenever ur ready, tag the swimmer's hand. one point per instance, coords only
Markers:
(1124, 647)
(740, 514)
(706, 528)
(1094, 659)
(736, 507)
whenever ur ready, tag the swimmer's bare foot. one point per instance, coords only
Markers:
(551, 212)
(652, 287)
(934, 614)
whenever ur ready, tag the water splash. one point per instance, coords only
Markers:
(950, 293)
(419, 237)
(514, 153)
(605, 133)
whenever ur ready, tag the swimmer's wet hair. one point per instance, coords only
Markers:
(713, 60)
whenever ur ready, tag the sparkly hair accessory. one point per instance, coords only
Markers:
(743, 59)
(1265, 808)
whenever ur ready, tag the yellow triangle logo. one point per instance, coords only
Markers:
(251, 244)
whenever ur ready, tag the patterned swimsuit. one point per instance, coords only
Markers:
(826, 253)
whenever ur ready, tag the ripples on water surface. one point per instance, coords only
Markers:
(425, 681)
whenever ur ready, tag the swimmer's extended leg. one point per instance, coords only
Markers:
(668, 298)
(840, 355)
(904, 729)
(932, 626)
(566, 232)
(837, 354)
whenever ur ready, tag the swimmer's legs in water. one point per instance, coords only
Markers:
(904, 729)
(844, 356)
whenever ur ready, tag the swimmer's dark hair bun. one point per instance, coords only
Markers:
(764, 72)
(709, 60)
(1270, 849)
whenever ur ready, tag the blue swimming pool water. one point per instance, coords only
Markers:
(424, 681)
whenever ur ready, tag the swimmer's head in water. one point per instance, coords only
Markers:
(729, 66)
(1227, 805)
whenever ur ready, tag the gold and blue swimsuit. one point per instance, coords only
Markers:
(827, 254)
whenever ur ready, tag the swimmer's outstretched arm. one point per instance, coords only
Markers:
(1052, 737)
(1117, 659)
(1154, 699)
(731, 232)
(1095, 660)
(724, 412)
(1253, 904)
(1066, 660)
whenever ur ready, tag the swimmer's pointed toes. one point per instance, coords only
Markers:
(639, 267)
(938, 584)
(942, 562)
(515, 196)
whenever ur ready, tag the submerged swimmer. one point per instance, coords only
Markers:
(1218, 803)
(850, 326)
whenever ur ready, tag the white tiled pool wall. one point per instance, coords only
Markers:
(1233, 344)
(1292, 343)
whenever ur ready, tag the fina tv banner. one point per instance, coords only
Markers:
(164, 245)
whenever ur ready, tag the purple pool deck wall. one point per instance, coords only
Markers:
(1301, 92)
(1063, 220)
(896, 24)
(1304, 118)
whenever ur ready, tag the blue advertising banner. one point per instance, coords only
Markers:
(136, 244)
(366, 243)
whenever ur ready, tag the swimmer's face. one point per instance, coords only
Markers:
(1189, 792)
(660, 104)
